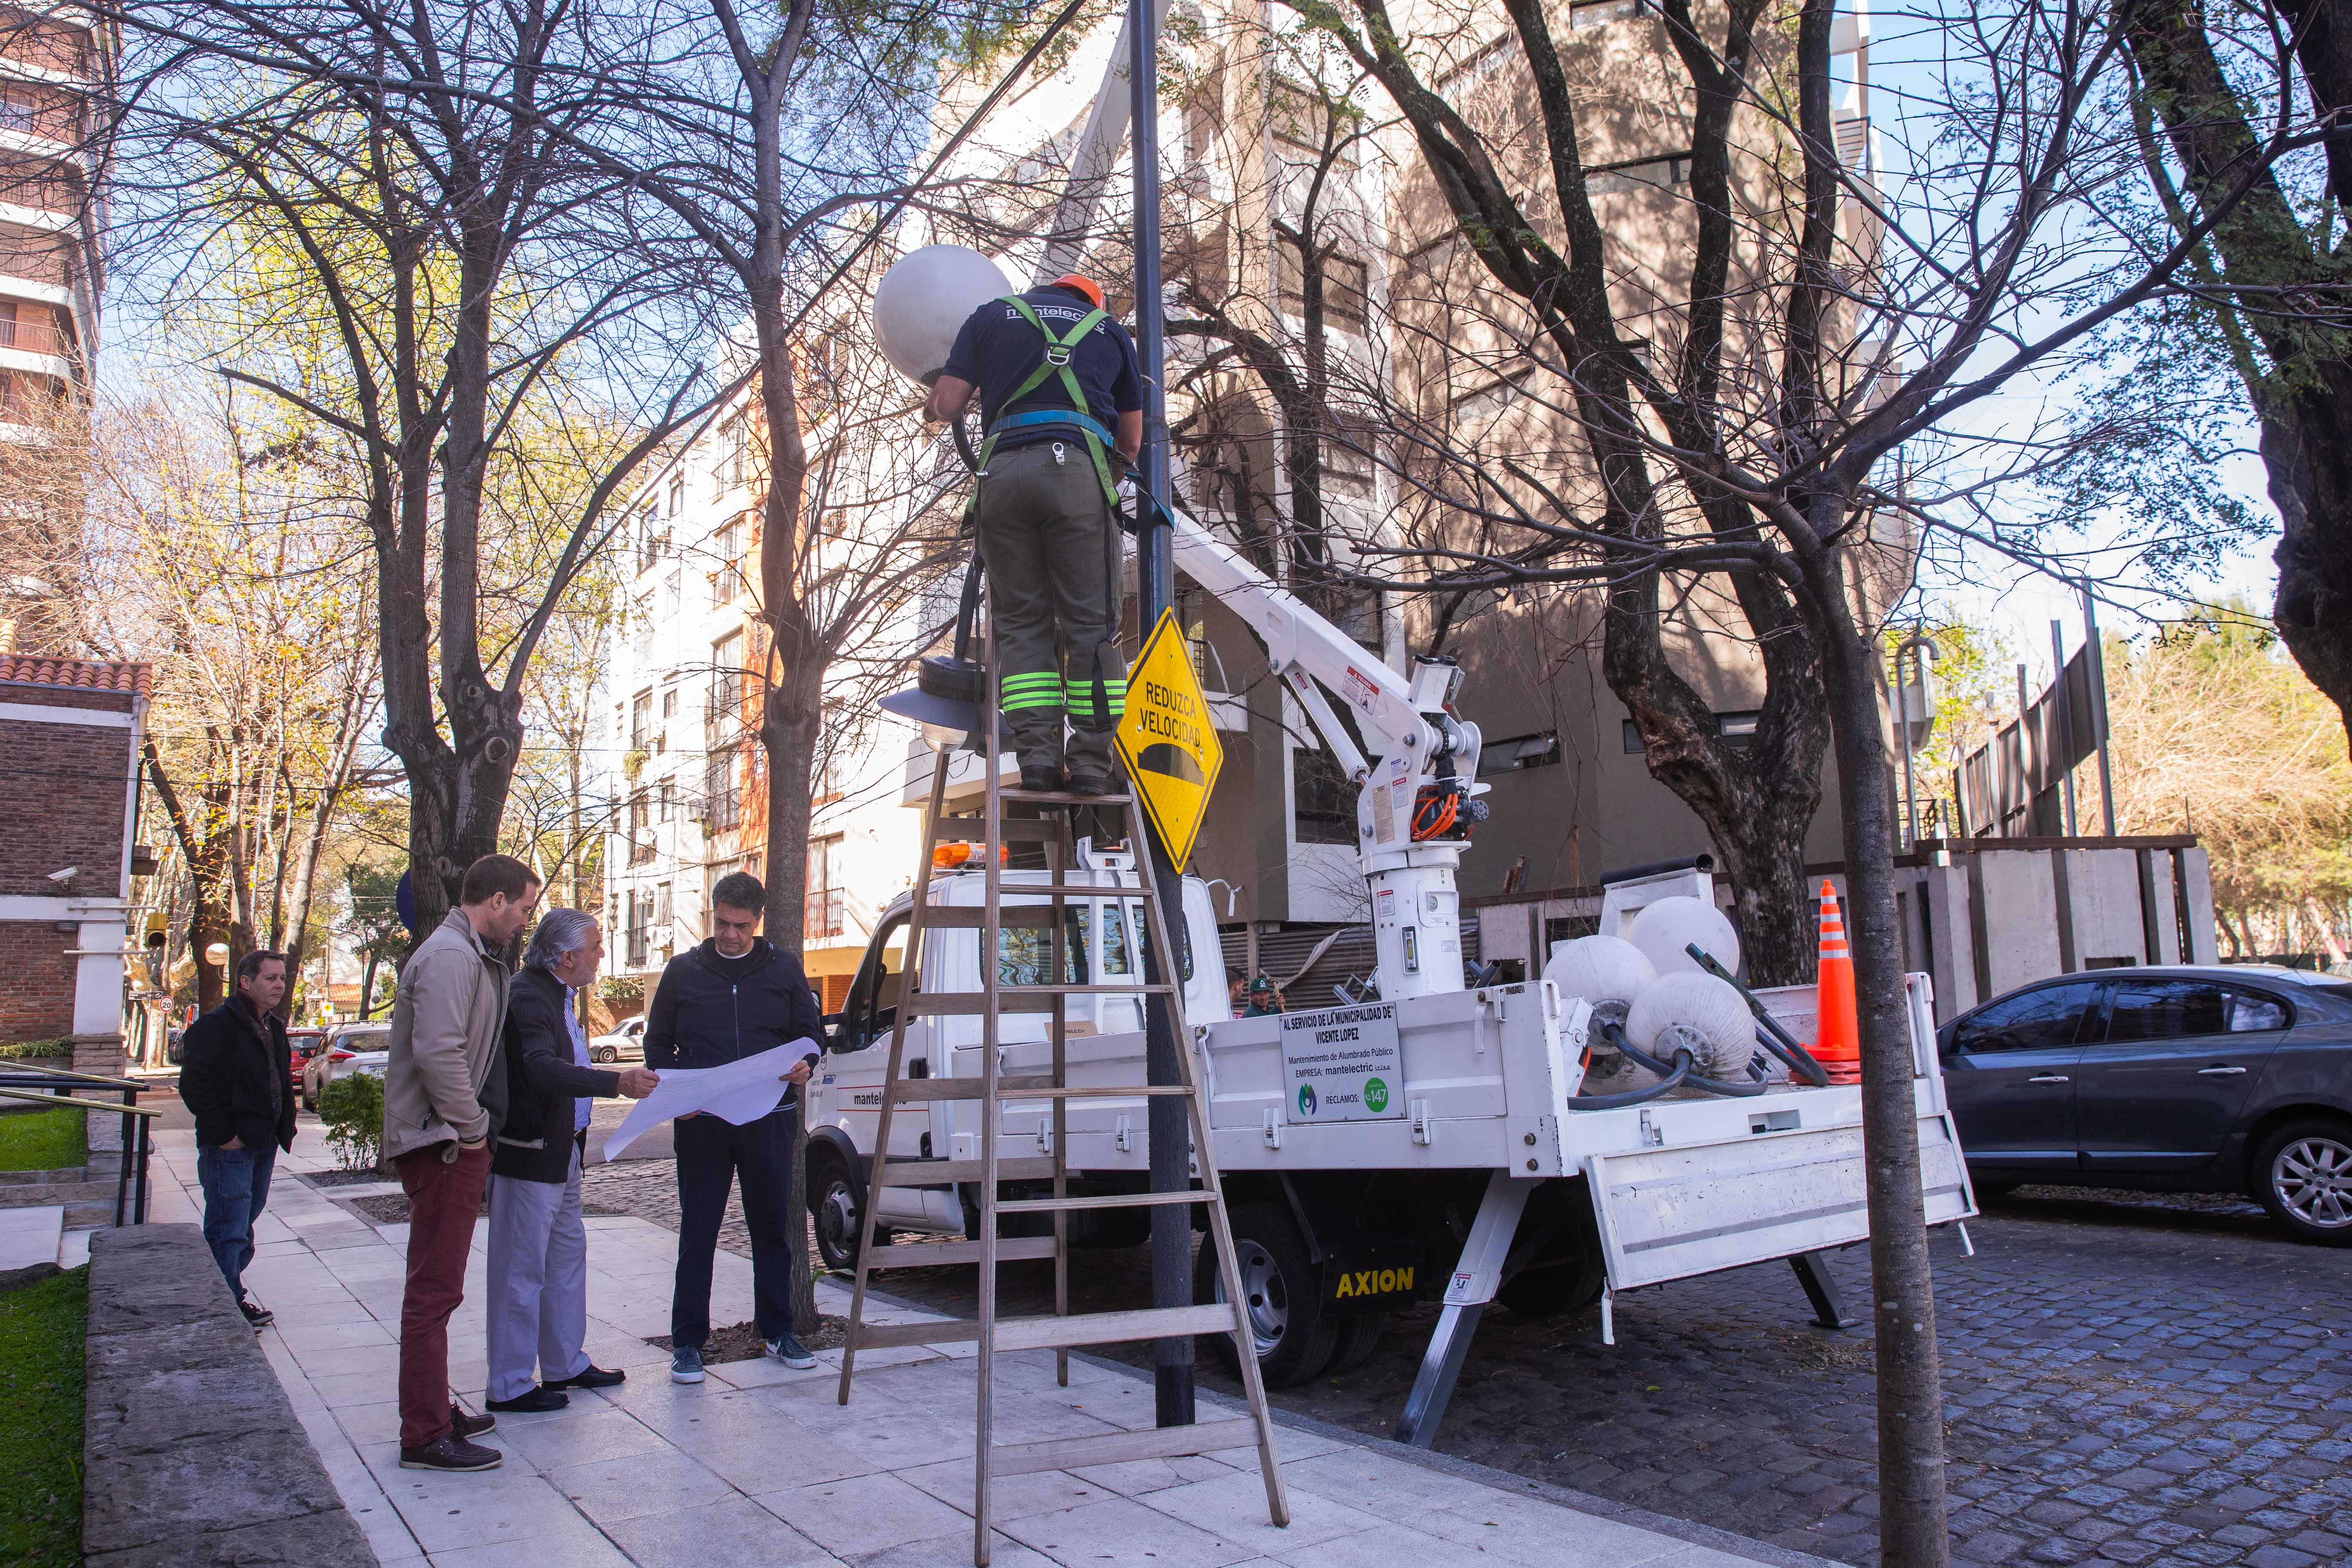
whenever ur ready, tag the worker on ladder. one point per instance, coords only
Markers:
(1060, 402)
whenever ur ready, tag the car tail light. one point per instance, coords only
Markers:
(341, 1055)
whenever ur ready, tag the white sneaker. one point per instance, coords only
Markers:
(792, 1352)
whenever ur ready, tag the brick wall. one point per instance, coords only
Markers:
(37, 981)
(65, 805)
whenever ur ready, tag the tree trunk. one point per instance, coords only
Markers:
(367, 987)
(1912, 1533)
(2305, 404)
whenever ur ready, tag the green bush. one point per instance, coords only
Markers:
(352, 1109)
(622, 988)
(29, 1051)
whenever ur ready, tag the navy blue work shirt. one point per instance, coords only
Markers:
(997, 348)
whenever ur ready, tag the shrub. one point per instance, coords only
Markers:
(622, 988)
(33, 1050)
(352, 1109)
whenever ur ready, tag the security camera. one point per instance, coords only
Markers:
(62, 877)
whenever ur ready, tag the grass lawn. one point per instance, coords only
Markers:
(40, 1421)
(43, 1140)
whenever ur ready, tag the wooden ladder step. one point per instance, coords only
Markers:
(1062, 798)
(1075, 988)
(1100, 1201)
(925, 1253)
(1056, 1334)
(973, 916)
(1118, 1447)
(971, 830)
(933, 1172)
(909, 1088)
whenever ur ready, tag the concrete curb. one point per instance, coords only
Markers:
(191, 1451)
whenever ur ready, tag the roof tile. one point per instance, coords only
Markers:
(87, 674)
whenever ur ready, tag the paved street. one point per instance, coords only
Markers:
(2129, 1380)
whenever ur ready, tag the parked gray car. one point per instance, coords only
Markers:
(2225, 1078)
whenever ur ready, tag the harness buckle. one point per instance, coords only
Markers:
(1057, 354)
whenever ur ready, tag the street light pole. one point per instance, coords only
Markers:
(1169, 1126)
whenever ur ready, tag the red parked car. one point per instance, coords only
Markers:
(301, 1045)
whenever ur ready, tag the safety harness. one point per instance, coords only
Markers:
(1077, 416)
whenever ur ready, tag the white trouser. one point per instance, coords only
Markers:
(539, 1282)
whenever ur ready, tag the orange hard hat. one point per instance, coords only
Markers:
(1084, 285)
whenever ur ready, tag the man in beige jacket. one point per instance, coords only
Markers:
(445, 1088)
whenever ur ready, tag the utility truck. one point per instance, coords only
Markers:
(1430, 1140)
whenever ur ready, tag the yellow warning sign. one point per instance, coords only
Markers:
(1169, 738)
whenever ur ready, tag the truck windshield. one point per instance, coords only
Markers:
(1024, 955)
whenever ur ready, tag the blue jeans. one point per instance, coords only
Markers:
(236, 1187)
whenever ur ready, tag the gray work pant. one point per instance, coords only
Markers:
(1052, 552)
(539, 1282)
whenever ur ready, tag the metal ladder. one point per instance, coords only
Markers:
(1060, 1332)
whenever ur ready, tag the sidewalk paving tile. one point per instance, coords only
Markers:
(761, 1464)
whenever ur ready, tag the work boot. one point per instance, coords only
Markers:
(451, 1452)
(1043, 777)
(1092, 783)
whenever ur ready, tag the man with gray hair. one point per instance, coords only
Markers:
(538, 1249)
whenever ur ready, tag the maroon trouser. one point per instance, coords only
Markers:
(445, 1197)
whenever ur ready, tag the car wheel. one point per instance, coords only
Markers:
(1293, 1339)
(2302, 1176)
(833, 1211)
(606, 1053)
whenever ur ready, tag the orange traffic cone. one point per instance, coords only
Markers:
(1837, 1044)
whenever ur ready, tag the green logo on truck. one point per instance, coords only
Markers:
(1376, 1095)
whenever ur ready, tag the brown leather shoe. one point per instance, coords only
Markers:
(451, 1452)
(469, 1425)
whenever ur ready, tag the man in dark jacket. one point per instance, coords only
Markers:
(538, 1249)
(234, 1075)
(734, 996)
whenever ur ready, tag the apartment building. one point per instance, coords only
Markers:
(681, 714)
(52, 269)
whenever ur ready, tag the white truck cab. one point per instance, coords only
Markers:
(1103, 945)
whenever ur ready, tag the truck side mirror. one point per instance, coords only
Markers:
(833, 1032)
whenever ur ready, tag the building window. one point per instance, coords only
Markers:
(1669, 172)
(667, 808)
(826, 904)
(641, 840)
(727, 682)
(649, 538)
(638, 909)
(1738, 730)
(1517, 753)
(1601, 13)
(676, 494)
(662, 914)
(669, 705)
(1348, 464)
(727, 583)
(1322, 799)
(642, 630)
(1346, 299)
(721, 789)
(38, 328)
(641, 721)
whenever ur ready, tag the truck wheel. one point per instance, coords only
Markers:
(1295, 1340)
(1360, 1336)
(832, 1212)
(2302, 1176)
(1550, 1289)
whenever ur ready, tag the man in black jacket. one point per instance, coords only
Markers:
(234, 1075)
(538, 1248)
(734, 996)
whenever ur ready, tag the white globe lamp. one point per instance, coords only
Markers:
(923, 302)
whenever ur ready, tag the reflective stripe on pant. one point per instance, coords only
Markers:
(538, 1265)
(1046, 535)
